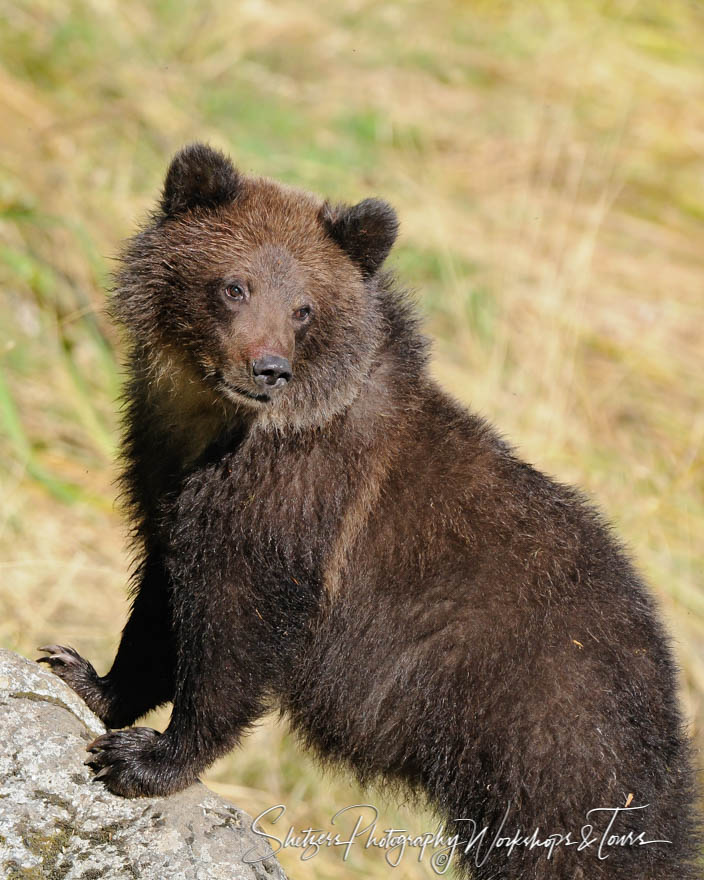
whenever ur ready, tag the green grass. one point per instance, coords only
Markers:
(546, 162)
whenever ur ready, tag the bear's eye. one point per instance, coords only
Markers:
(236, 292)
(302, 314)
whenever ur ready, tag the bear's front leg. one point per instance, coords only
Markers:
(232, 645)
(218, 695)
(142, 675)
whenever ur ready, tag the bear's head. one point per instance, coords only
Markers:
(262, 295)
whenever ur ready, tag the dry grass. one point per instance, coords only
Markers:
(546, 160)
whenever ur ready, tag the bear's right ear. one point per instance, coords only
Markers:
(199, 177)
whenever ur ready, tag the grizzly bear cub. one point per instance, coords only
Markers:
(321, 528)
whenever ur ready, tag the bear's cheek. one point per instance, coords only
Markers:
(331, 339)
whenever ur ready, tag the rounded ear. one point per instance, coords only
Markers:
(199, 177)
(366, 231)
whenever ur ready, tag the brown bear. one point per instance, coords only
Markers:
(321, 528)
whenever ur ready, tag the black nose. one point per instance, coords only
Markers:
(271, 371)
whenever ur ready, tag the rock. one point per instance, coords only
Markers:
(56, 824)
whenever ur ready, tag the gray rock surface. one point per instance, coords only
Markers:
(56, 824)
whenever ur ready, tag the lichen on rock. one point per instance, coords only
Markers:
(56, 824)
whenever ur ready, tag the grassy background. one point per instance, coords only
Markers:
(546, 159)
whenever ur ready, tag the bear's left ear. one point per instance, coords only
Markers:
(366, 232)
(199, 177)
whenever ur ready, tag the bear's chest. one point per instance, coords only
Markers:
(272, 503)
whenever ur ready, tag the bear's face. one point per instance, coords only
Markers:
(262, 294)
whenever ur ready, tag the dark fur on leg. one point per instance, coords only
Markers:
(142, 675)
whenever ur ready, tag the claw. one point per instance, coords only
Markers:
(97, 745)
(59, 654)
(55, 660)
(57, 649)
